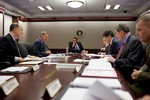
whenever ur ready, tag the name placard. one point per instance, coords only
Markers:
(77, 69)
(9, 86)
(52, 88)
(35, 67)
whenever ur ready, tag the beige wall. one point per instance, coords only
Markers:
(1, 24)
(62, 32)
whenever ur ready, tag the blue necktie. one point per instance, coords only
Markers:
(77, 47)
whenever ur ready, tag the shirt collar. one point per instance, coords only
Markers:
(111, 41)
(12, 36)
(127, 36)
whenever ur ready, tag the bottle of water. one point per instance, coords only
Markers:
(66, 50)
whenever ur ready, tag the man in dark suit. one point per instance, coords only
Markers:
(75, 46)
(39, 48)
(130, 54)
(142, 76)
(9, 50)
(113, 43)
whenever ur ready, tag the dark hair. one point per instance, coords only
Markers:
(75, 38)
(107, 33)
(13, 26)
(122, 27)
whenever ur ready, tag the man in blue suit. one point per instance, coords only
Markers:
(75, 46)
(39, 48)
(113, 43)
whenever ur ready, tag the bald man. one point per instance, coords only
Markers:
(9, 50)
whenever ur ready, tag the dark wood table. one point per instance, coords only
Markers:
(32, 84)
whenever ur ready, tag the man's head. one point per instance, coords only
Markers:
(75, 40)
(121, 31)
(143, 28)
(16, 30)
(44, 36)
(108, 35)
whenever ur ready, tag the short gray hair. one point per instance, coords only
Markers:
(43, 33)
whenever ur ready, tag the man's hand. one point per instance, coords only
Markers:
(48, 52)
(111, 59)
(21, 59)
(135, 74)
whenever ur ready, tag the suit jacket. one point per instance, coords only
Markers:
(141, 85)
(132, 53)
(38, 48)
(113, 48)
(73, 49)
(8, 49)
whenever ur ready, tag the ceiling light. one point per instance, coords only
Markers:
(75, 3)
(107, 7)
(41, 8)
(49, 8)
(116, 6)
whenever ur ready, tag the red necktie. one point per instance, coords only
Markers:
(120, 51)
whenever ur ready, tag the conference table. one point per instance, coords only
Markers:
(32, 85)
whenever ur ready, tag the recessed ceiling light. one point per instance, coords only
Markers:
(107, 7)
(41, 8)
(116, 6)
(49, 8)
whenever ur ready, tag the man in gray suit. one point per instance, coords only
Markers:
(142, 76)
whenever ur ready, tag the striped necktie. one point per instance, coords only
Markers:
(16, 42)
(120, 51)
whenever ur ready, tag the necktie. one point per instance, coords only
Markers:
(77, 47)
(120, 51)
(109, 46)
(16, 42)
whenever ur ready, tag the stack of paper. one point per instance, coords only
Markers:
(100, 73)
(97, 91)
(87, 82)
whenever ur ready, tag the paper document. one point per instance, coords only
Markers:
(98, 91)
(85, 82)
(100, 73)
(125, 95)
(30, 62)
(14, 69)
(74, 94)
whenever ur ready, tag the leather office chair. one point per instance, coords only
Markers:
(4, 64)
(24, 49)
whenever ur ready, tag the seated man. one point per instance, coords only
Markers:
(39, 48)
(113, 43)
(141, 85)
(9, 50)
(130, 54)
(75, 46)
